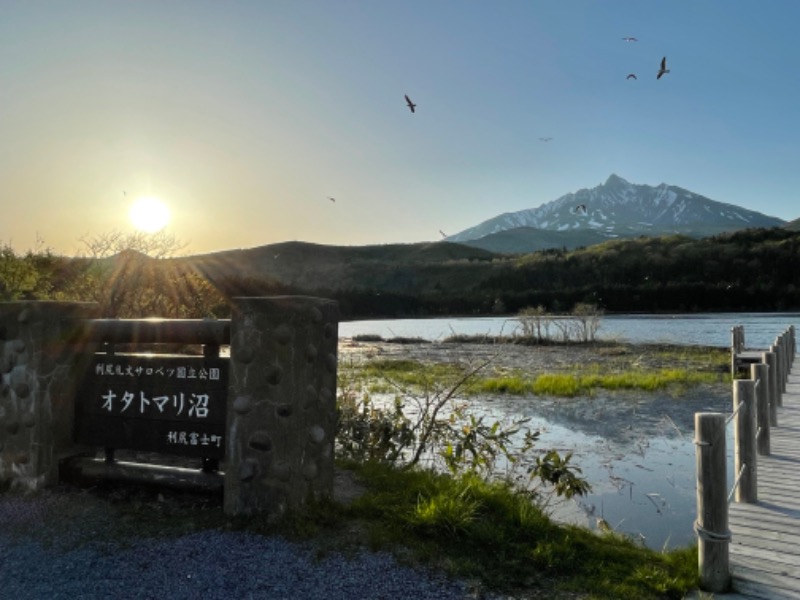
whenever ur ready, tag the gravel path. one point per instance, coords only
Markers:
(55, 545)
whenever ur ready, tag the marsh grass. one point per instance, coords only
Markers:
(574, 384)
(385, 375)
(693, 366)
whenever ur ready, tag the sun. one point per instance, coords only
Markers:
(149, 214)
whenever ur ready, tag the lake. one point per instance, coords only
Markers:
(635, 449)
(709, 329)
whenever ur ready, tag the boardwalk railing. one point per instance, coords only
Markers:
(755, 404)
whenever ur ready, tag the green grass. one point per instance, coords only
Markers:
(574, 384)
(410, 372)
(492, 533)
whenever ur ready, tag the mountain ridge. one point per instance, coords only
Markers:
(613, 209)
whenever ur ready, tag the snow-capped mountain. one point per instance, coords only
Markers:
(618, 208)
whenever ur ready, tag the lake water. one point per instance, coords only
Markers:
(710, 329)
(635, 449)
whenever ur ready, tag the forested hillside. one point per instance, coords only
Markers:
(751, 270)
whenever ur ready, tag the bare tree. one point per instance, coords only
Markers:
(588, 319)
(535, 322)
(130, 275)
(154, 245)
(580, 325)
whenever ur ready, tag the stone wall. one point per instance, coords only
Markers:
(41, 356)
(281, 403)
(280, 409)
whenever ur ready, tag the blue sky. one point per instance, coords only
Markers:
(244, 117)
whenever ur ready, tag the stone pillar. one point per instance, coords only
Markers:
(281, 414)
(41, 358)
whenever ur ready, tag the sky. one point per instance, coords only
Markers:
(245, 118)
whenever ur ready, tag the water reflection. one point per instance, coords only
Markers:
(636, 450)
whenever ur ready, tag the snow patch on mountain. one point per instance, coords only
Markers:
(618, 207)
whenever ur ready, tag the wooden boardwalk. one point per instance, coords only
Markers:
(765, 547)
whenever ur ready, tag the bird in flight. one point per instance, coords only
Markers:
(411, 105)
(581, 208)
(545, 139)
(444, 235)
(630, 39)
(663, 68)
(331, 198)
(631, 76)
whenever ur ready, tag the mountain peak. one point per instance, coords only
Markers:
(614, 180)
(618, 208)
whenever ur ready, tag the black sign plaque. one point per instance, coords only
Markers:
(170, 404)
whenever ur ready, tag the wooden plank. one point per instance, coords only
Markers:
(785, 584)
(766, 537)
(778, 562)
(744, 588)
(741, 545)
(698, 595)
(767, 508)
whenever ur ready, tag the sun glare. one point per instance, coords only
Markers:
(149, 214)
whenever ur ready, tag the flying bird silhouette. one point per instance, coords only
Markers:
(631, 76)
(581, 208)
(545, 139)
(630, 39)
(411, 105)
(663, 68)
(331, 198)
(444, 235)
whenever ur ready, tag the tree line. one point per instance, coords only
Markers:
(133, 276)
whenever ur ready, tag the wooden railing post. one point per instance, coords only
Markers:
(769, 359)
(713, 536)
(760, 373)
(778, 349)
(785, 361)
(737, 346)
(744, 437)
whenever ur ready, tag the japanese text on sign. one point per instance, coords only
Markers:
(111, 369)
(192, 438)
(126, 402)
